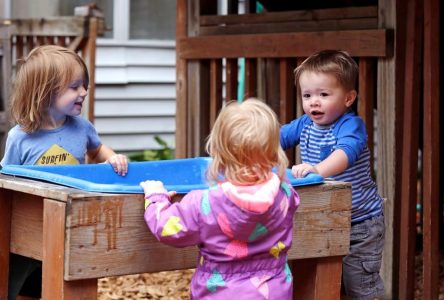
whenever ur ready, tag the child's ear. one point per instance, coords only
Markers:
(350, 98)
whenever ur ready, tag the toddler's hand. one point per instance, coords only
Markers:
(119, 163)
(155, 187)
(302, 170)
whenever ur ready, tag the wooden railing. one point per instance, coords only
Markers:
(209, 47)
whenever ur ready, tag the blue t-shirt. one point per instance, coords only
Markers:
(348, 133)
(67, 144)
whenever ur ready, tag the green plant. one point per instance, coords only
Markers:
(164, 153)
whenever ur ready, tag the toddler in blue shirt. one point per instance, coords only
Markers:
(333, 143)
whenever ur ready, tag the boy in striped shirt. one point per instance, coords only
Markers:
(333, 143)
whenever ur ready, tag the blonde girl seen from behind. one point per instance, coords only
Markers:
(244, 144)
(243, 222)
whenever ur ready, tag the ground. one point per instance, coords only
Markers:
(172, 285)
(175, 285)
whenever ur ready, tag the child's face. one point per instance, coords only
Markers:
(69, 102)
(324, 100)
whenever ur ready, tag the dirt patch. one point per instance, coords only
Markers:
(174, 285)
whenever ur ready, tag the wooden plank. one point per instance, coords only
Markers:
(291, 26)
(269, 82)
(198, 93)
(328, 280)
(231, 73)
(287, 97)
(366, 99)
(53, 284)
(181, 83)
(251, 86)
(410, 145)
(317, 278)
(390, 90)
(372, 43)
(30, 44)
(19, 45)
(303, 15)
(198, 107)
(215, 89)
(55, 26)
(27, 224)
(287, 91)
(5, 238)
(299, 111)
(89, 55)
(41, 189)
(53, 252)
(431, 149)
(106, 236)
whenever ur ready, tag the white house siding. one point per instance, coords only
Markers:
(135, 94)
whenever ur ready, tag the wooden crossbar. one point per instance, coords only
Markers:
(362, 43)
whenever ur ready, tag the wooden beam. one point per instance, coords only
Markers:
(410, 143)
(215, 89)
(287, 97)
(89, 55)
(5, 238)
(55, 26)
(317, 278)
(251, 78)
(231, 73)
(291, 26)
(390, 101)
(285, 16)
(367, 99)
(372, 43)
(181, 83)
(431, 150)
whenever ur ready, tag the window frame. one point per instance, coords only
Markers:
(121, 27)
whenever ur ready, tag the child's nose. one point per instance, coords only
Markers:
(314, 101)
(83, 91)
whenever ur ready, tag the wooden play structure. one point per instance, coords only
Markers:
(19, 36)
(396, 44)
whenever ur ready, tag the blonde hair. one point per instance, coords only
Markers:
(244, 144)
(335, 62)
(42, 75)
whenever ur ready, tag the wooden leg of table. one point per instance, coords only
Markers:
(317, 278)
(53, 284)
(5, 240)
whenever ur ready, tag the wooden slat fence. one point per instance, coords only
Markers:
(208, 59)
(420, 158)
(209, 47)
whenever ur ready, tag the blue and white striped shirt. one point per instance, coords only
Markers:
(348, 133)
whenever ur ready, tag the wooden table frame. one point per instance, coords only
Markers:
(81, 236)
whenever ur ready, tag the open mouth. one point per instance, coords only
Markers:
(316, 113)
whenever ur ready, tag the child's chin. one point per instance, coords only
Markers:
(75, 113)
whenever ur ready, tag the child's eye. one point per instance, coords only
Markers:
(78, 85)
(305, 96)
(324, 94)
